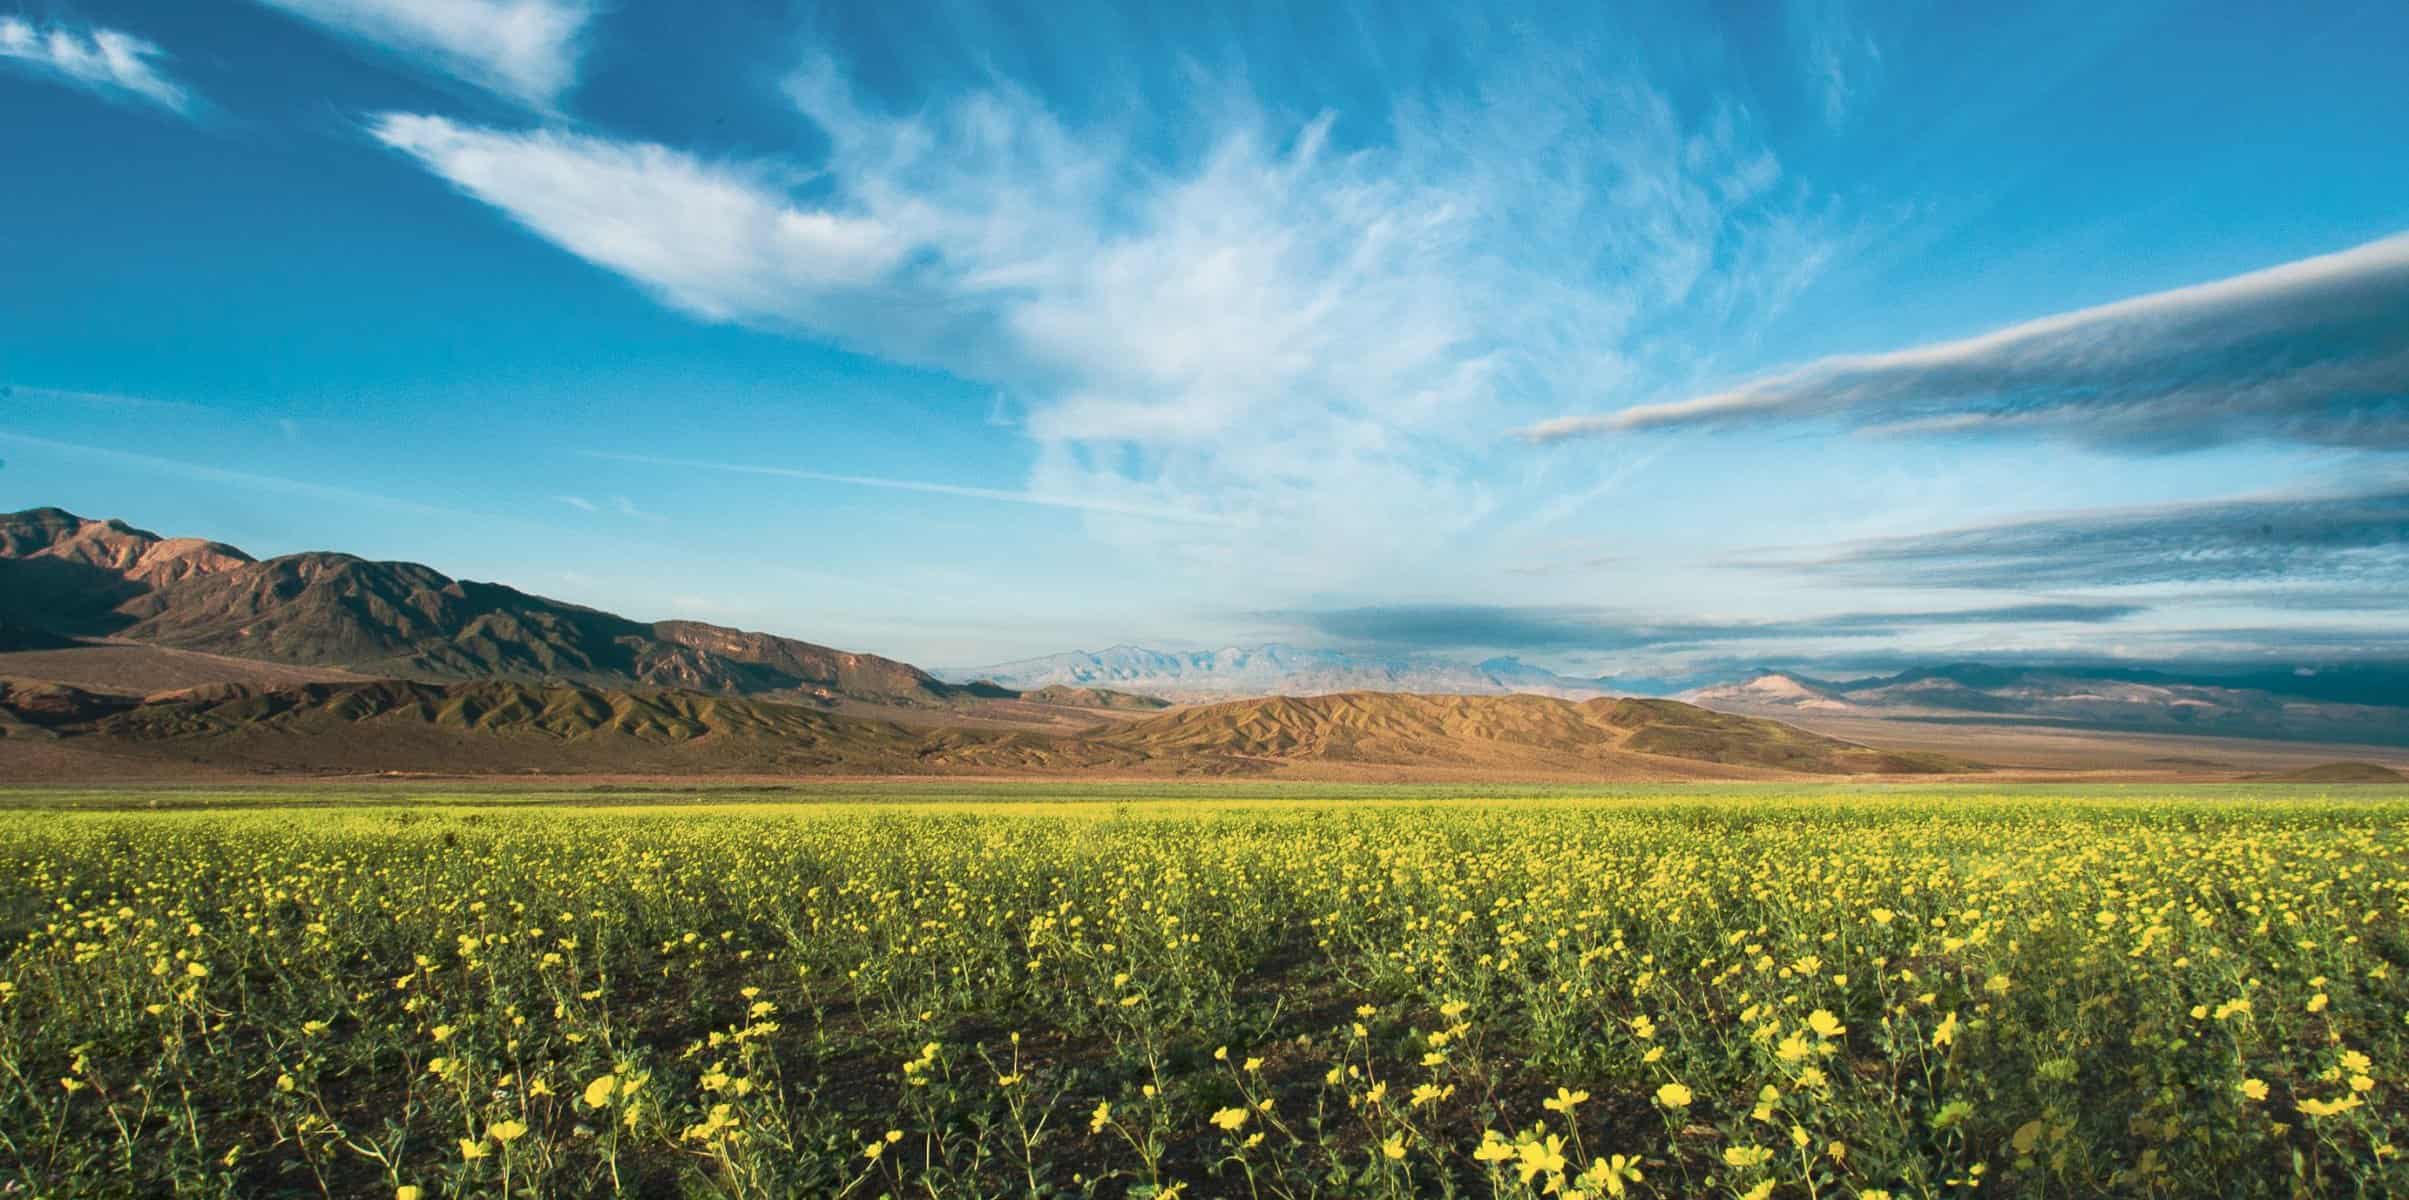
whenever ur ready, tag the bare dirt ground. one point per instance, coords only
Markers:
(2043, 750)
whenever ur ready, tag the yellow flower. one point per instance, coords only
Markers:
(598, 1092)
(1673, 1095)
(1825, 1024)
(1946, 1034)
(1746, 1156)
(1230, 1119)
(506, 1132)
(1565, 1102)
(1610, 1174)
(1097, 1120)
(1394, 1147)
(472, 1149)
(2255, 1089)
(1540, 1156)
(2327, 1108)
(407, 1191)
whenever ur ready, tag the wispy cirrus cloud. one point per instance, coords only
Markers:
(2357, 536)
(523, 49)
(1841, 62)
(127, 460)
(1568, 628)
(1304, 326)
(27, 397)
(2311, 351)
(111, 62)
(928, 487)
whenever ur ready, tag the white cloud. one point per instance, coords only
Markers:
(524, 49)
(715, 240)
(108, 61)
(2308, 351)
(1305, 340)
(579, 503)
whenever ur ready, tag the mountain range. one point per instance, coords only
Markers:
(1276, 669)
(64, 576)
(111, 635)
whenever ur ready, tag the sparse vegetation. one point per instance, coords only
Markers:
(1766, 993)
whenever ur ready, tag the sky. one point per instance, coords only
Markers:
(1625, 339)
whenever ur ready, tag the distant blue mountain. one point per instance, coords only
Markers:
(1276, 670)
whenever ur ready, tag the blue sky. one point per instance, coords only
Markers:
(1623, 338)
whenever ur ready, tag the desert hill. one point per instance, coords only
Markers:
(66, 576)
(1093, 697)
(496, 726)
(1396, 728)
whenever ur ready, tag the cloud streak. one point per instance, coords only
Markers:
(912, 485)
(203, 473)
(2311, 351)
(2360, 536)
(522, 49)
(110, 62)
(1567, 629)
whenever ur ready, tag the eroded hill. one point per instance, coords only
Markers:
(501, 726)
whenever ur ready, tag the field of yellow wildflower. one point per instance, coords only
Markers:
(1748, 995)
